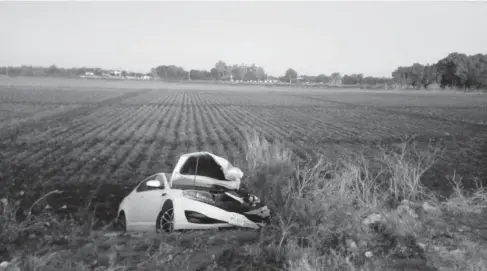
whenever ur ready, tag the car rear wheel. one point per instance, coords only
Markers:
(121, 222)
(165, 219)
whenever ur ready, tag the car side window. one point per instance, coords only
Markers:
(143, 185)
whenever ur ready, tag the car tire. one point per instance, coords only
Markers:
(121, 222)
(165, 219)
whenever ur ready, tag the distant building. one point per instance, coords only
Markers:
(336, 81)
(116, 73)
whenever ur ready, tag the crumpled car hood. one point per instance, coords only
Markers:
(232, 174)
(226, 166)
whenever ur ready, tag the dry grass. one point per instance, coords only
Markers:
(260, 152)
(462, 201)
(317, 222)
(318, 209)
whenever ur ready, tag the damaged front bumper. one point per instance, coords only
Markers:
(220, 210)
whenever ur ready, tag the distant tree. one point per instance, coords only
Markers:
(26, 71)
(459, 70)
(214, 74)
(171, 72)
(270, 77)
(284, 79)
(153, 72)
(352, 79)
(291, 75)
(430, 75)
(370, 80)
(52, 70)
(456, 71)
(250, 76)
(260, 73)
(238, 72)
(193, 75)
(417, 75)
(335, 77)
(200, 75)
(222, 69)
(98, 72)
(322, 79)
(308, 79)
(13, 71)
(360, 78)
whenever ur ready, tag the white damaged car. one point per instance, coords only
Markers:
(202, 192)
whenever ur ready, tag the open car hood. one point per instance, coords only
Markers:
(205, 169)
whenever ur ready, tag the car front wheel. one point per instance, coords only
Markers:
(121, 222)
(165, 219)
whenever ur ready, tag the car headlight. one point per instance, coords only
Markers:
(202, 196)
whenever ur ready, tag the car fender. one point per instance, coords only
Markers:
(122, 207)
(177, 199)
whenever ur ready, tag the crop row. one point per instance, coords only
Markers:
(33, 115)
(203, 98)
(122, 141)
(54, 96)
(402, 99)
(10, 111)
(119, 143)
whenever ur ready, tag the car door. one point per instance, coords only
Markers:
(149, 202)
(136, 198)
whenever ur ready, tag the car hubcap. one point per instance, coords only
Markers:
(167, 220)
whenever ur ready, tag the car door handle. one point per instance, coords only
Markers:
(163, 194)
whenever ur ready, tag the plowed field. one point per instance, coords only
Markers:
(76, 139)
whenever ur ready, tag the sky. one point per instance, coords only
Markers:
(372, 38)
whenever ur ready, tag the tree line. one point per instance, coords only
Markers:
(454, 71)
(221, 71)
(224, 72)
(54, 71)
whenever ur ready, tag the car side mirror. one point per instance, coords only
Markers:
(234, 174)
(154, 183)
